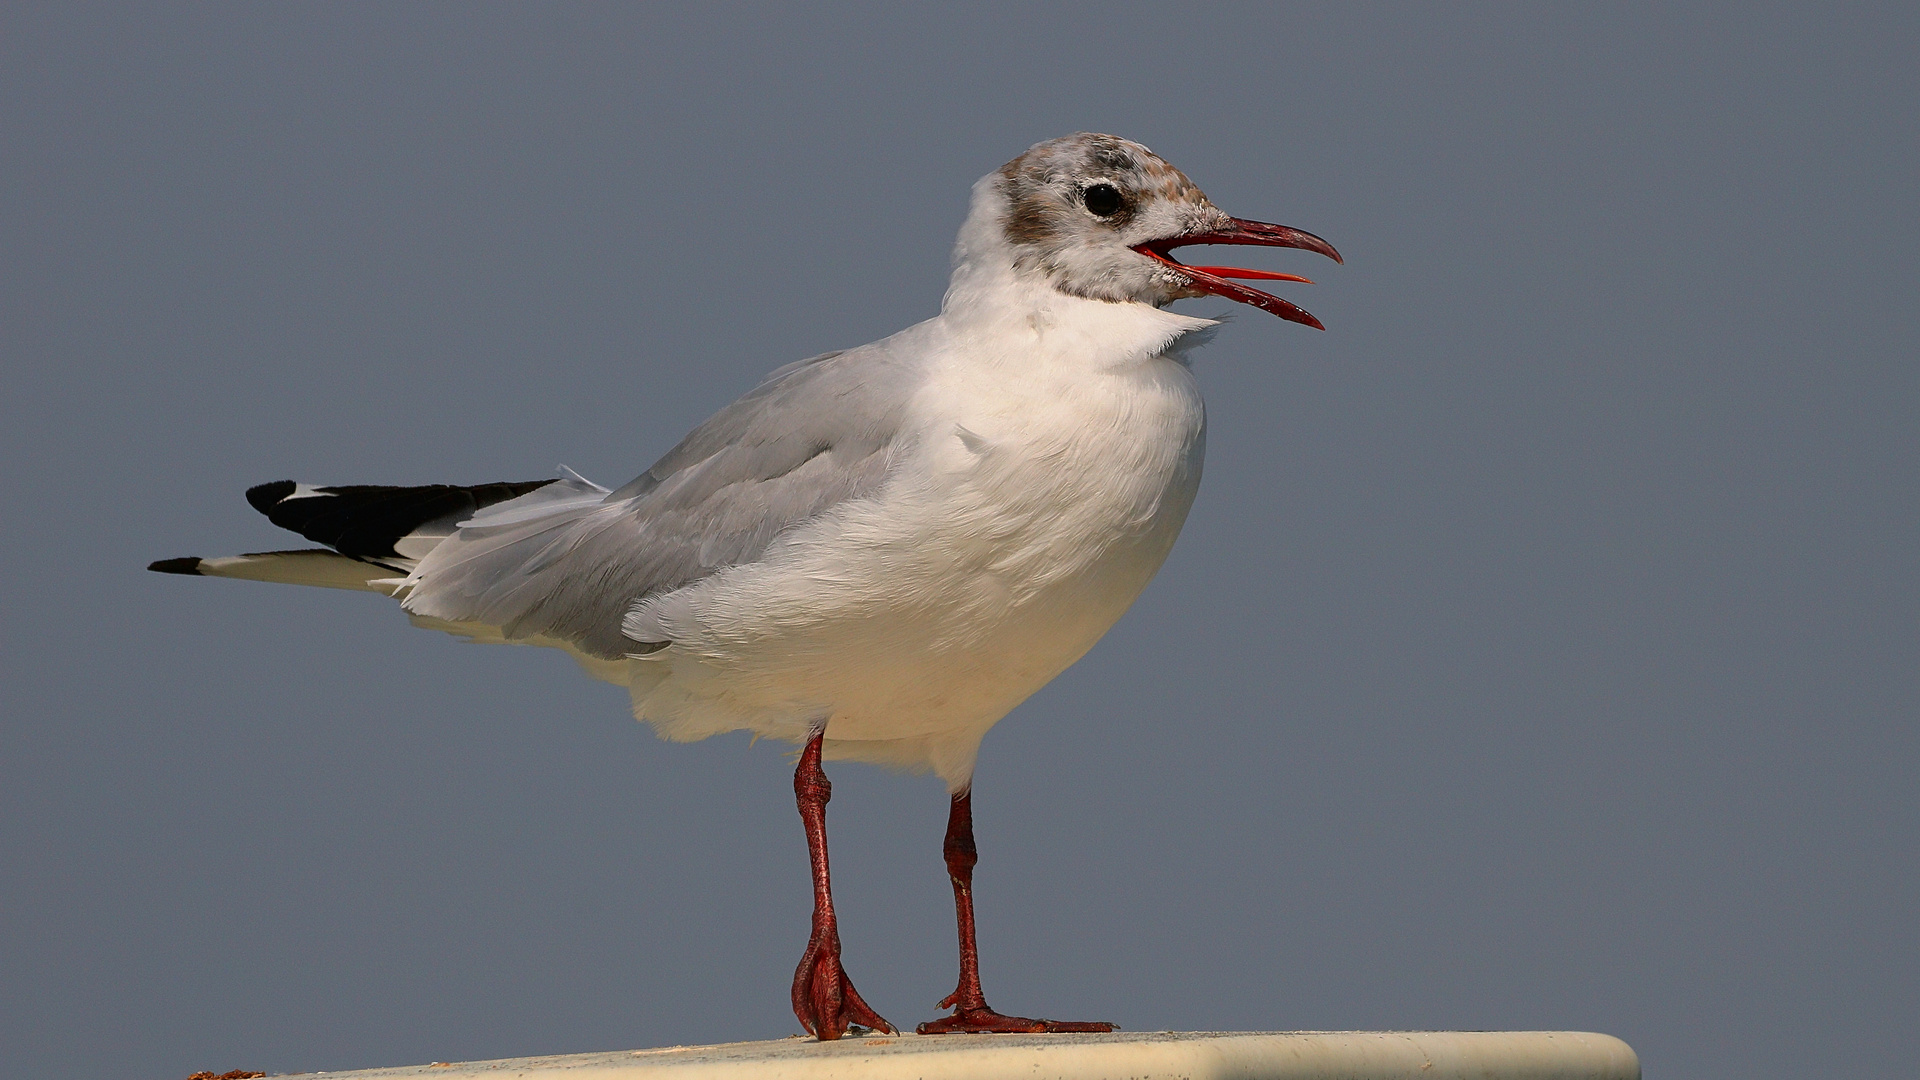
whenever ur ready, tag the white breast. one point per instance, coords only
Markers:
(1053, 468)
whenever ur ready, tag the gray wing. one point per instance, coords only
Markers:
(565, 563)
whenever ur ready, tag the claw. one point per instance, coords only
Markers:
(986, 1021)
(824, 999)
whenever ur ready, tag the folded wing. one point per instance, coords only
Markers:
(566, 562)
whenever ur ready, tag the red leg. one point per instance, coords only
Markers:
(970, 1011)
(823, 997)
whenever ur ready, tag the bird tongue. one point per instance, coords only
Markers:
(1213, 279)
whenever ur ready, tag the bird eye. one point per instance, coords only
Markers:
(1103, 200)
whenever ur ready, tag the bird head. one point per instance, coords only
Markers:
(1098, 217)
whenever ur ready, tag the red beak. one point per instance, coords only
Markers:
(1213, 279)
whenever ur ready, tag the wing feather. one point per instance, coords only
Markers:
(568, 561)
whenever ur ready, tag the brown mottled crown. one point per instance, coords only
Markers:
(1046, 165)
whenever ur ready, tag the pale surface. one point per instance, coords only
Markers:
(1349, 1055)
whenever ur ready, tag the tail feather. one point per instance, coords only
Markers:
(374, 535)
(369, 521)
(311, 566)
(377, 537)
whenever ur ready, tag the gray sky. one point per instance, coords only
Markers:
(1541, 652)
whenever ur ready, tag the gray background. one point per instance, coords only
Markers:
(1540, 653)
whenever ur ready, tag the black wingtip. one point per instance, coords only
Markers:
(188, 565)
(265, 497)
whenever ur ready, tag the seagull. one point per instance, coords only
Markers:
(878, 552)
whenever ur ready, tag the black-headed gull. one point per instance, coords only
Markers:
(876, 553)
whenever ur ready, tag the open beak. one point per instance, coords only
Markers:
(1213, 279)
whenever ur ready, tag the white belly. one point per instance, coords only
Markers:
(1027, 521)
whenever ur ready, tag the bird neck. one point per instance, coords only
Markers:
(1021, 313)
